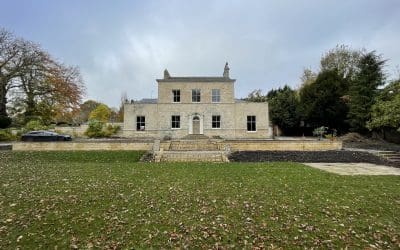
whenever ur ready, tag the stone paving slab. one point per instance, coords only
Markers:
(355, 168)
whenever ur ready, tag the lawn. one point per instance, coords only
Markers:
(109, 200)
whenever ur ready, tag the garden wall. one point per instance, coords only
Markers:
(80, 130)
(295, 145)
(65, 146)
(245, 145)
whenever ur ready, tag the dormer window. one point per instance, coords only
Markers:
(195, 95)
(176, 95)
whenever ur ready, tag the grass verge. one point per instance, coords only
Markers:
(109, 200)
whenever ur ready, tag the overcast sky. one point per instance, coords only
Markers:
(123, 46)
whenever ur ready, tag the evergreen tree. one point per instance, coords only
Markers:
(322, 102)
(283, 104)
(385, 113)
(363, 90)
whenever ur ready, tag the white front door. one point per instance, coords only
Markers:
(196, 125)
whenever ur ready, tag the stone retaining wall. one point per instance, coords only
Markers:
(65, 146)
(246, 145)
(294, 145)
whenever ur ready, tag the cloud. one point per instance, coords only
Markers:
(124, 46)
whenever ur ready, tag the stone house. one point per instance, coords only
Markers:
(196, 106)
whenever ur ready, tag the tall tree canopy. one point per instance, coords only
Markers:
(85, 109)
(283, 106)
(36, 83)
(342, 95)
(256, 96)
(363, 90)
(322, 103)
(11, 63)
(343, 59)
(385, 112)
(102, 113)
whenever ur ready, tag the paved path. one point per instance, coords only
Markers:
(355, 168)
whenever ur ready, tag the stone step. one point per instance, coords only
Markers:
(200, 145)
(390, 155)
(193, 156)
(195, 137)
(5, 147)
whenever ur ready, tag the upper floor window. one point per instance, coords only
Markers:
(251, 123)
(175, 121)
(140, 123)
(216, 95)
(216, 121)
(176, 95)
(195, 95)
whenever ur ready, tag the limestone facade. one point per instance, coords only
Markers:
(196, 105)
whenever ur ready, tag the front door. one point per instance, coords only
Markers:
(196, 125)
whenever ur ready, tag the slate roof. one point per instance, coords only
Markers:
(154, 101)
(196, 79)
(240, 100)
(147, 101)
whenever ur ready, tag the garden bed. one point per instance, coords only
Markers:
(307, 156)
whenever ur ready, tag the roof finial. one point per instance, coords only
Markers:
(226, 70)
(166, 74)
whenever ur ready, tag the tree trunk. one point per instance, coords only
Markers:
(3, 98)
(30, 106)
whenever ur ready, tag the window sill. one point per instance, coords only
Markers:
(175, 128)
(251, 131)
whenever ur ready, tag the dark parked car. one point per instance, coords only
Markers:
(42, 135)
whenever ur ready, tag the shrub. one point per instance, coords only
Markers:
(5, 121)
(320, 132)
(112, 130)
(35, 125)
(98, 129)
(7, 135)
(95, 129)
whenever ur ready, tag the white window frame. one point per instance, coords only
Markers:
(196, 95)
(176, 95)
(139, 123)
(218, 121)
(215, 95)
(251, 121)
(175, 122)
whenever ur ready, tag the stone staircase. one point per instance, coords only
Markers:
(194, 145)
(391, 156)
(191, 150)
(193, 156)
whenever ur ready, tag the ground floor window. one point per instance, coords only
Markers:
(251, 123)
(140, 123)
(175, 121)
(216, 121)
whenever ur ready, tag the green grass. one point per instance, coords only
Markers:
(108, 200)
